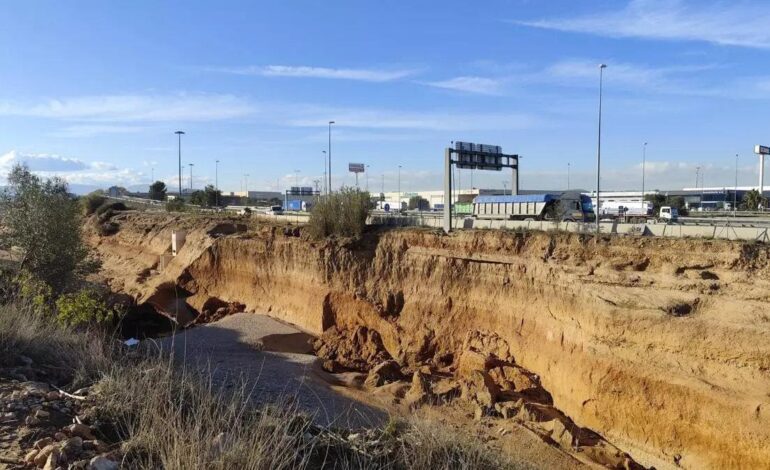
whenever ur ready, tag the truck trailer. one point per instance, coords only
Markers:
(567, 206)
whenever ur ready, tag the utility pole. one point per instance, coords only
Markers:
(191, 181)
(331, 188)
(599, 148)
(246, 178)
(383, 184)
(180, 134)
(567, 176)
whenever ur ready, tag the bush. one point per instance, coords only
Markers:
(113, 206)
(92, 202)
(176, 205)
(341, 214)
(82, 308)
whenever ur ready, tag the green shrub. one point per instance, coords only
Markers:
(341, 214)
(82, 308)
(176, 205)
(92, 202)
(113, 206)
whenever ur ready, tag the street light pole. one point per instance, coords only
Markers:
(599, 148)
(191, 183)
(399, 188)
(326, 182)
(330, 156)
(567, 175)
(246, 179)
(216, 181)
(735, 192)
(644, 163)
(180, 134)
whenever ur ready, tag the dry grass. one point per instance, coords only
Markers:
(170, 418)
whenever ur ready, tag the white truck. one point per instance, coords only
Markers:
(668, 214)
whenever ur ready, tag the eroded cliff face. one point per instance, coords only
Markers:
(659, 345)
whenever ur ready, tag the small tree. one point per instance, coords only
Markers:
(419, 203)
(43, 222)
(158, 191)
(752, 200)
(342, 213)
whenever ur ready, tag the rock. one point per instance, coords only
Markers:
(54, 458)
(511, 378)
(40, 443)
(419, 393)
(29, 459)
(471, 361)
(52, 396)
(60, 436)
(479, 387)
(42, 456)
(32, 421)
(81, 430)
(507, 409)
(446, 390)
(561, 434)
(102, 463)
(385, 372)
(73, 446)
(42, 414)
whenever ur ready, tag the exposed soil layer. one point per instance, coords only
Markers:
(661, 346)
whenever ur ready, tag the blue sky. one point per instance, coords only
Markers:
(93, 90)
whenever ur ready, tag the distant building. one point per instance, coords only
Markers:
(264, 195)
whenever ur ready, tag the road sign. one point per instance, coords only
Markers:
(479, 156)
(761, 150)
(356, 167)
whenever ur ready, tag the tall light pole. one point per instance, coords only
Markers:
(180, 134)
(399, 188)
(216, 181)
(191, 183)
(599, 147)
(330, 156)
(246, 178)
(735, 191)
(326, 181)
(567, 175)
(644, 162)
(383, 184)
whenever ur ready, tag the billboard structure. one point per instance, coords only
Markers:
(761, 150)
(356, 168)
(467, 155)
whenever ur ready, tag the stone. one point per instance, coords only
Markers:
(81, 430)
(52, 396)
(479, 387)
(54, 458)
(29, 459)
(384, 372)
(419, 393)
(96, 445)
(32, 421)
(73, 446)
(42, 414)
(42, 456)
(60, 436)
(507, 409)
(102, 463)
(561, 434)
(471, 361)
(40, 443)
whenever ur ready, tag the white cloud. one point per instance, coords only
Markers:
(134, 108)
(367, 75)
(725, 23)
(73, 170)
(480, 85)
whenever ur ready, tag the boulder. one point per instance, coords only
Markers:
(53, 461)
(102, 463)
(511, 378)
(81, 430)
(384, 372)
(561, 434)
(479, 387)
(470, 361)
(73, 446)
(420, 392)
(42, 456)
